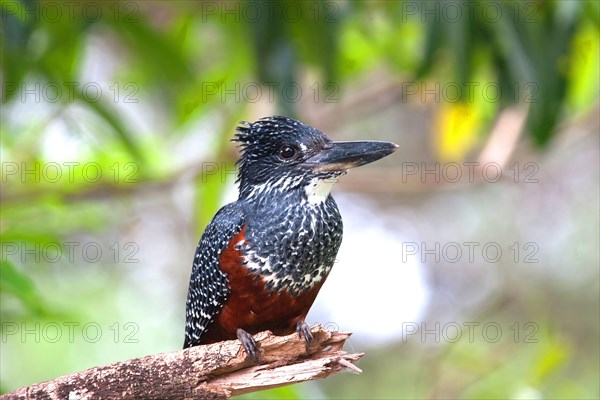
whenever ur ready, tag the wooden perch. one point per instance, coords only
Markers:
(216, 371)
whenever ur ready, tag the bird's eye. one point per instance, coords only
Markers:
(286, 152)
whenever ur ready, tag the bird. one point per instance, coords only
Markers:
(262, 260)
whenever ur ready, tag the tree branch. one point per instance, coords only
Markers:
(216, 371)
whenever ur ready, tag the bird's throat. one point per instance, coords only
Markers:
(318, 189)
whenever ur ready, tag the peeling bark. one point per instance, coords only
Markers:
(215, 371)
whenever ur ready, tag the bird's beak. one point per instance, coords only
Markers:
(341, 156)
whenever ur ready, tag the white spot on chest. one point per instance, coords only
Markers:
(318, 190)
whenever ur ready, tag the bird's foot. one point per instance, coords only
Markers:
(249, 344)
(303, 330)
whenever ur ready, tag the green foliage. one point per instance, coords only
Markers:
(17, 284)
(282, 393)
(524, 45)
(523, 42)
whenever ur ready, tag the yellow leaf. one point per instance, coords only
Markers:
(456, 127)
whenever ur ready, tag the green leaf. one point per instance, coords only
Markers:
(15, 282)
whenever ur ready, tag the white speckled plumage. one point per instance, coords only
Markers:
(292, 225)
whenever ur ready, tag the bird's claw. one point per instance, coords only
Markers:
(303, 330)
(249, 344)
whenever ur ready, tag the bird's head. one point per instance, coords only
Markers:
(280, 154)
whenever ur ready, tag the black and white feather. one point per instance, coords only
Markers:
(208, 285)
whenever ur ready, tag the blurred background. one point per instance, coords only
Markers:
(470, 263)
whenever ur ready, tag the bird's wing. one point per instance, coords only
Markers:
(209, 287)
